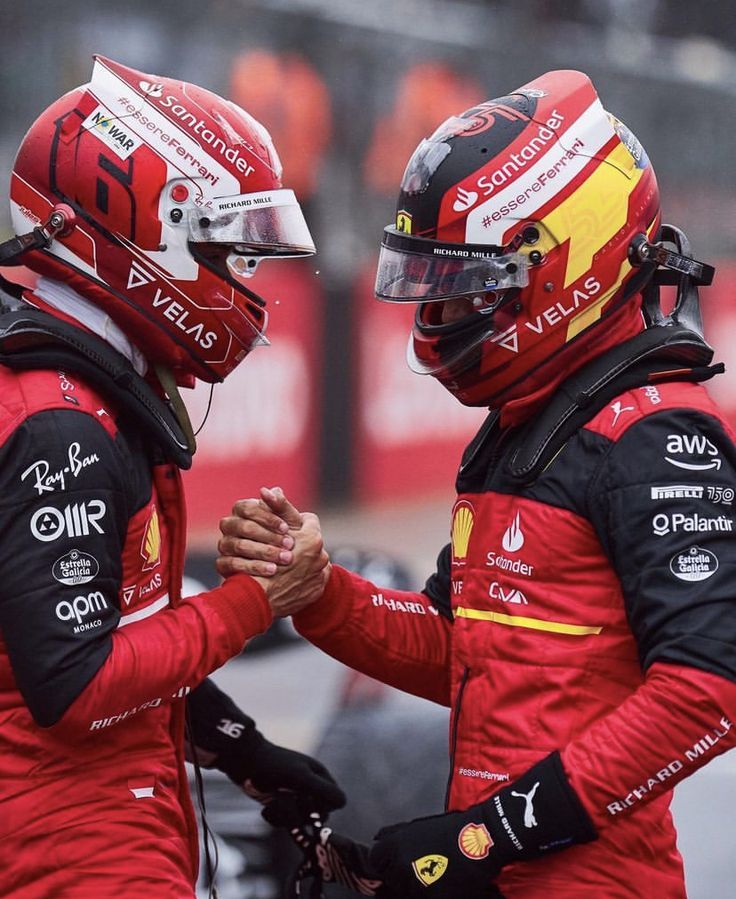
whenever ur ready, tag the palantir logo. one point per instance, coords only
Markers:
(464, 200)
(513, 538)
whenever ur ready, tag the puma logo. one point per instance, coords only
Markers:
(529, 819)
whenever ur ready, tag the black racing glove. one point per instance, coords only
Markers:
(290, 784)
(461, 853)
(330, 858)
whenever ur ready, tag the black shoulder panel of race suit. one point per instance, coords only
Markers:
(662, 504)
(67, 490)
(437, 587)
(32, 339)
(658, 354)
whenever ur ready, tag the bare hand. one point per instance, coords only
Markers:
(253, 542)
(257, 537)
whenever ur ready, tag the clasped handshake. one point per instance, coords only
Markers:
(279, 546)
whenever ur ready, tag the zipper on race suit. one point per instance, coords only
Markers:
(453, 741)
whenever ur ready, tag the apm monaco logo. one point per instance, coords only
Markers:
(513, 538)
(694, 564)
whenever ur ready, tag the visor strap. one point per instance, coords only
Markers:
(168, 382)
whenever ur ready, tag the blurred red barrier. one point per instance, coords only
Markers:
(263, 426)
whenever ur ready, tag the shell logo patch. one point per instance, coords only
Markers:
(429, 868)
(474, 841)
(463, 519)
(151, 543)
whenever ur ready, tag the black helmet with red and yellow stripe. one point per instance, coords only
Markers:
(522, 212)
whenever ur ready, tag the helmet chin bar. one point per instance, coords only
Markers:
(60, 222)
(672, 268)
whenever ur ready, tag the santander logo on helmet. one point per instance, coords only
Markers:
(549, 190)
(177, 197)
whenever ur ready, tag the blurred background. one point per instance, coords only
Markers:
(330, 411)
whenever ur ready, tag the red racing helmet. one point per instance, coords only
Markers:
(525, 206)
(172, 195)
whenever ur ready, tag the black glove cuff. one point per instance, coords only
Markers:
(539, 813)
(222, 730)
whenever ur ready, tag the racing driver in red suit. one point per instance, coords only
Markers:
(139, 204)
(581, 621)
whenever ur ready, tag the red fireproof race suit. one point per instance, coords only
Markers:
(98, 650)
(591, 612)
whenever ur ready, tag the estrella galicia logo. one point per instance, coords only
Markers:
(694, 564)
(75, 568)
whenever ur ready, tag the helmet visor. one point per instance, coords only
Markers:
(269, 223)
(415, 270)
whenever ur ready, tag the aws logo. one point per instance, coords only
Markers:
(463, 520)
(151, 543)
